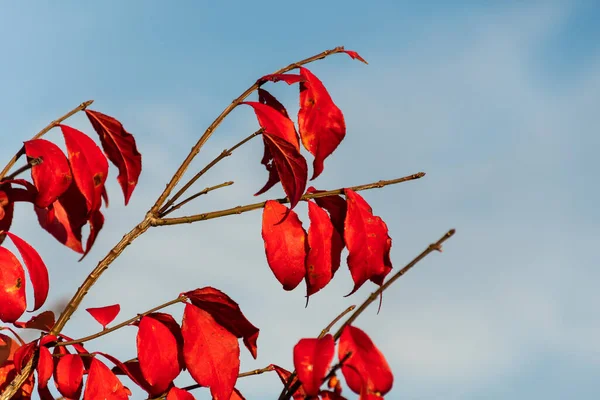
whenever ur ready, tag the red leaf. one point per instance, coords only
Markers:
(68, 375)
(285, 244)
(65, 218)
(45, 366)
(104, 315)
(325, 250)
(237, 395)
(43, 321)
(368, 242)
(90, 168)
(51, 175)
(287, 78)
(12, 287)
(284, 376)
(329, 395)
(103, 384)
(158, 353)
(120, 148)
(96, 223)
(312, 358)
(281, 142)
(23, 354)
(179, 394)
(355, 56)
(366, 370)
(6, 212)
(320, 121)
(131, 369)
(211, 352)
(265, 97)
(168, 321)
(38, 273)
(335, 206)
(226, 313)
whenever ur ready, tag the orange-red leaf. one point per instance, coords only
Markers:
(51, 173)
(312, 358)
(43, 321)
(104, 315)
(103, 384)
(12, 287)
(158, 353)
(320, 121)
(89, 166)
(23, 354)
(68, 375)
(45, 366)
(38, 273)
(329, 395)
(325, 250)
(285, 244)
(366, 370)
(287, 78)
(237, 395)
(355, 56)
(368, 242)
(226, 313)
(284, 376)
(179, 394)
(120, 148)
(211, 352)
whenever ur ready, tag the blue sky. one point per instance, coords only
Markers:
(496, 101)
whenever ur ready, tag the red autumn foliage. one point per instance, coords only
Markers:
(104, 315)
(312, 358)
(103, 384)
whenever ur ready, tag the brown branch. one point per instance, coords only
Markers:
(225, 153)
(106, 331)
(18, 171)
(437, 246)
(41, 133)
(192, 197)
(326, 330)
(209, 131)
(256, 206)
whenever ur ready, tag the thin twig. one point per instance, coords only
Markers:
(256, 206)
(335, 321)
(209, 131)
(18, 171)
(180, 299)
(192, 197)
(41, 133)
(225, 153)
(437, 246)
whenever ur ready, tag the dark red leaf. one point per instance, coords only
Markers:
(226, 313)
(329, 395)
(267, 98)
(366, 371)
(320, 121)
(237, 395)
(179, 394)
(368, 242)
(43, 321)
(335, 206)
(158, 354)
(104, 315)
(23, 354)
(312, 358)
(131, 369)
(120, 148)
(287, 78)
(325, 250)
(89, 166)
(96, 222)
(103, 384)
(211, 352)
(68, 375)
(285, 244)
(284, 376)
(38, 273)
(45, 365)
(355, 56)
(51, 173)
(12, 287)
(6, 212)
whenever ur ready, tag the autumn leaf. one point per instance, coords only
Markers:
(23, 355)
(290, 79)
(103, 384)
(50, 172)
(45, 365)
(284, 376)
(104, 315)
(335, 206)
(226, 313)
(211, 352)
(96, 222)
(368, 242)
(325, 250)
(285, 244)
(355, 56)
(312, 358)
(43, 321)
(366, 370)
(158, 354)
(6, 212)
(89, 166)
(320, 121)
(68, 375)
(12, 287)
(120, 148)
(179, 394)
